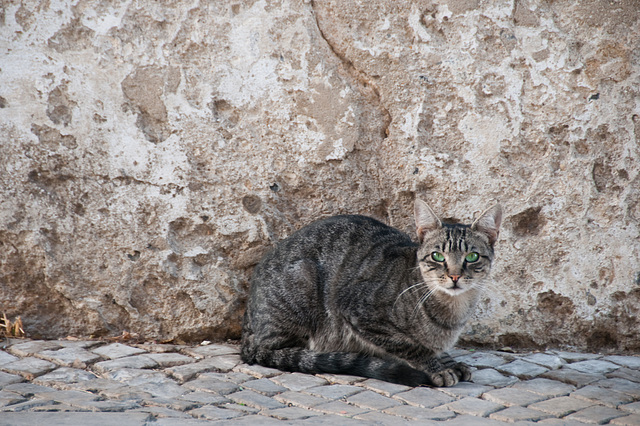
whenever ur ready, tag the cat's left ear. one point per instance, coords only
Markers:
(426, 219)
(489, 223)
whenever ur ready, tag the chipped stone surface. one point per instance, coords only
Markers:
(152, 152)
(596, 415)
(29, 368)
(136, 361)
(117, 350)
(491, 377)
(595, 366)
(255, 395)
(64, 375)
(561, 406)
(545, 387)
(549, 361)
(69, 357)
(522, 369)
(509, 397)
(481, 360)
(517, 414)
(473, 406)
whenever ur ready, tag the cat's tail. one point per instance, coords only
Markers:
(312, 362)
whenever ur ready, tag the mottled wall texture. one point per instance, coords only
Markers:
(151, 151)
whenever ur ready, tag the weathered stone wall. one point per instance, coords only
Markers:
(151, 151)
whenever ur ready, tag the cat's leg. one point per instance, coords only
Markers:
(437, 371)
(441, 370)
(311, 362)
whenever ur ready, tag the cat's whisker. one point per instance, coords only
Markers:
(411, 289)
(422, 300)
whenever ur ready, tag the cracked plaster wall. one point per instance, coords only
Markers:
(151, 152)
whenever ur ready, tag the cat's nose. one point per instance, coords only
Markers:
(454, 278)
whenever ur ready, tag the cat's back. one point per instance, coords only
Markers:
(317, 268)
(336, 236)
(337, 249)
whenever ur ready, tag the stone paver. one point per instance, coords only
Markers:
(259, 371)
(382, 387)
(64, 375)
(30, 348)
(491, 377)
(545, 387)
(596, 414)
(519, 414)
(292, 413)
(169, 359)
(572, 376)
(7, 378)
(511, 396)
(6, 358)
(376, 417)
(299, 399)
(594, 366)
(625, 361)
(333, 391)
(264, 386)
(522, 369)
(206, 383)
(463, 389)
(69, 357)
(633, 407)
(299, 381)
(340, 408)
(253, 399)
(208, 351)
(75, 419)
(482, 360)
(373, 401)
(625, 373)
(136, 361)
(576, 356)
(214, 413)
(561, 406)
(621, 385)
(418, 413)
(424, 397)
(631, 420)
(74, 382)
(29, 367)
(608, 397)
(473, 406)
(552, 362)
(117, 350)
(218, 363)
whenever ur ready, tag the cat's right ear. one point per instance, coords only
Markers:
(426, 219)
(489, 223)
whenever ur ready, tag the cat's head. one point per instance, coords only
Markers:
(454, 258)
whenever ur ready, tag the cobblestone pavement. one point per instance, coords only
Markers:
(70, 382)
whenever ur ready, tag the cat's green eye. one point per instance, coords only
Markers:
(438, 257)
(472, 257)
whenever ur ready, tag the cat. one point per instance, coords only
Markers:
(351, 295)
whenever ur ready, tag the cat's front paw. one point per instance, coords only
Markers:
(462, 371)
(444, 378)
(450, 376)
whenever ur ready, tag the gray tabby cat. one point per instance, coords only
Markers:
(350, 295)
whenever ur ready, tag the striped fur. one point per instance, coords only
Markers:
(350, 295)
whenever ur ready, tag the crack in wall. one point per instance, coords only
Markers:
(365, 84)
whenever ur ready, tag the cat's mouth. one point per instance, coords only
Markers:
(454, 289)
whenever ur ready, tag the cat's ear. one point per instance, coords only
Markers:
(489, 223)
(426, 219)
